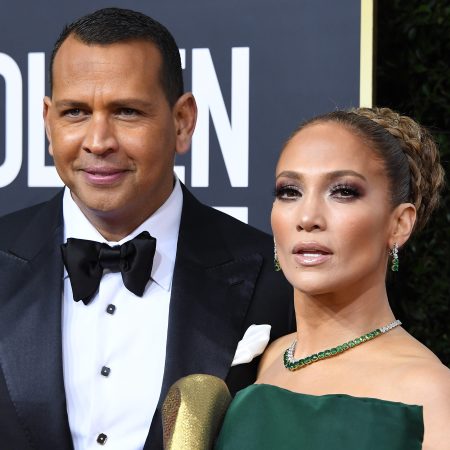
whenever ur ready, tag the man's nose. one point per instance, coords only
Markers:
(100, 136)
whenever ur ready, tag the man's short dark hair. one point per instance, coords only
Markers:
(111, 25)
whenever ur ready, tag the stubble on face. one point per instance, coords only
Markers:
(112, 132)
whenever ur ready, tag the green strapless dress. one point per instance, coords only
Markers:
(265, 417)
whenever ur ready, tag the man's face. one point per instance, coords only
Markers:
(112, 132)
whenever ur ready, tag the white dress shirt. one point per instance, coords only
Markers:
(114, 348)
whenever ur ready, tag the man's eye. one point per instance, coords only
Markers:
(128, 112)
(74, 112)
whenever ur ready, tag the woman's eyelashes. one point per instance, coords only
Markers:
(345, 191)
(287, 192)
(339, 191)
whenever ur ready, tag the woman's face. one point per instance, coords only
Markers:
(331, 217)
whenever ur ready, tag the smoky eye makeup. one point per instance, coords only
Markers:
(286, 190)
(339, 185)
(344, 190)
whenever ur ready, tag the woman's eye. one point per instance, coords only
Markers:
(287, 192)
(344, 192)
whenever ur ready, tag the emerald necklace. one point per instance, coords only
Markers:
(294, 364)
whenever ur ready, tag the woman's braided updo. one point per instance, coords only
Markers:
(407, 149)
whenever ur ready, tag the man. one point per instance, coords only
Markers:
(94, 371)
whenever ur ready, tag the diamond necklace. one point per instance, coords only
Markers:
(294, 364)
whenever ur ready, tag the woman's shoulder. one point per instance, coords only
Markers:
(429, 384)
(424, 377)
(424, 380)
(418, 367)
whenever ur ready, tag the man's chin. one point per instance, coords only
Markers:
(106, 205)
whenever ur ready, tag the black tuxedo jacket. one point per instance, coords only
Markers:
(223, 282)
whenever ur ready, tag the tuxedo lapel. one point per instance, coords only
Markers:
(30, 328)
(207, 311)
(211, 292)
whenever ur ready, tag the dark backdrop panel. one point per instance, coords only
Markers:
(303, 59)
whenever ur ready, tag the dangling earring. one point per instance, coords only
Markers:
(276, 263)
(394, 254)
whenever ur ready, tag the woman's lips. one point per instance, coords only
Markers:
(311, 259)
(311, 254)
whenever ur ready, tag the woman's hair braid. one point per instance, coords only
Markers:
(407, 149)
(427, 174)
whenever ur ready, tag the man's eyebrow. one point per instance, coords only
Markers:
(330, 175)
(119, 103)
(131, 103)
(69, 104)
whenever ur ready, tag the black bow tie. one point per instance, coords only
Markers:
(85, 261)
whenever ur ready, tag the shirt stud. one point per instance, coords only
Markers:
(105, 371)
(102, 438)
(111, 309)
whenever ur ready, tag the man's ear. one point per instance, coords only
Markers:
(185, 117)
(46, 113)
(403, 218)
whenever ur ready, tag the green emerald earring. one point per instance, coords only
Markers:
(394, 254)
(276, 263)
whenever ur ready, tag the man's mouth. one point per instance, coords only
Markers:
(103, 175)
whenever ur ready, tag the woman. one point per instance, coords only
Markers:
(351, 187)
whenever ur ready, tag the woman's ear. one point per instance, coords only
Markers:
(403, 219)
(185, 117)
